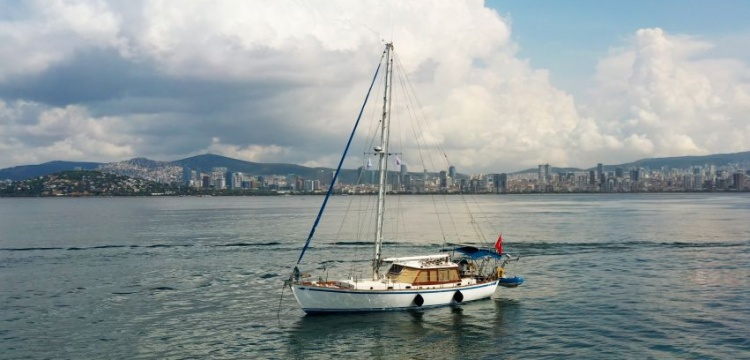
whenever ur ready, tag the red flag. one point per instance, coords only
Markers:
(499, 244)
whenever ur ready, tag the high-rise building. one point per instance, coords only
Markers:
(229, 176)
(540, 174)
(500, 182)
(697, 178)
(452, 172)
(687, 182)
(402, 175)
(738, 181)
(635, 175)
(543, 176)
(187, 177)
(309, 185)
(360, 175)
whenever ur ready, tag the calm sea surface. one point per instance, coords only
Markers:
(607, 276)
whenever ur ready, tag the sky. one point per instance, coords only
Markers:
(509, 84)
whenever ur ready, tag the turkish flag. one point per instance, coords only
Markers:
(499, 244)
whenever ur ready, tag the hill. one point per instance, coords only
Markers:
(684, 162)
(677, 162)
(83, 183)
(24, 172)
(208, 161)
(171, 170)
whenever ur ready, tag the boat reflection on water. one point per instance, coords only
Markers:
(507, 322)
(448, 332)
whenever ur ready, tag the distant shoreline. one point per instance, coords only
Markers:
(6, 196)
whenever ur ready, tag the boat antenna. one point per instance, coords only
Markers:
(341, 162)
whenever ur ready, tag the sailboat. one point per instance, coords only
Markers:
(462, 274)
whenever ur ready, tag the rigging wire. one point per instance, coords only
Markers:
(477, 229)
(364, 209)
(368, 144)
(338, 169)
(407, 84)
(421, 148)
(398, 120)
(281, 297)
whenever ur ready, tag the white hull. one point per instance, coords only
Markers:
(319, 299)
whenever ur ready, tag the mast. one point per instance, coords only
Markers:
(382, 152)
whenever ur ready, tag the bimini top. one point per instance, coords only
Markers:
(477, 253)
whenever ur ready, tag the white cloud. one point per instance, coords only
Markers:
(256, 153)
(34, 133)
(53, 33)
(666, 95)
(282, 81)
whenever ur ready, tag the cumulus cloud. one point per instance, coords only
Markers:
(68, 133)
(282, 81)
(51, 32)
(666, 95)
(272, 153)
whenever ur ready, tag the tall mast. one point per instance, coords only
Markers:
(382, 151)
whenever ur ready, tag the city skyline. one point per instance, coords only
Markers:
(695, 178)
(220, 181)
(168, 178)
(508, 85)
(168, 171)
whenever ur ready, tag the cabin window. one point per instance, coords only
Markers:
(443, 275)
(395, 270)
(436, 276)
(423, 277)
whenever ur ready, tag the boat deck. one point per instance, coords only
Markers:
(380, 285)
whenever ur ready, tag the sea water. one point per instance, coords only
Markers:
(606, 276)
